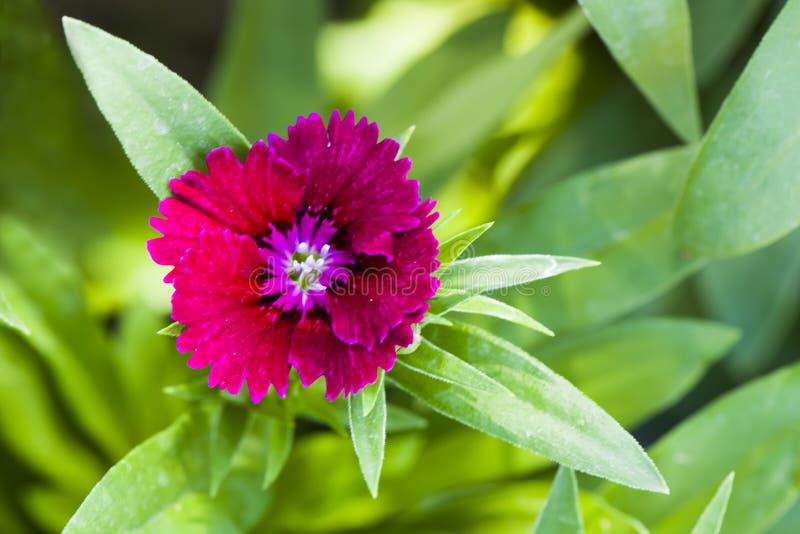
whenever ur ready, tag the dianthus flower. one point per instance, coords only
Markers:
(315, 253)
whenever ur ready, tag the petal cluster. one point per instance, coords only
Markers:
(315, 253)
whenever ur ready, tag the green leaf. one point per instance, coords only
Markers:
(266, 73)
(407, 99)
(162, 485)
(399, 419)
(404, 138)
(32, 424)
(456, 245)
(165, 126)
(752, 145)
(710, 521)
(370, 393)
(279, 435)
(651, 40)
(487, 273)
(619, 214)
(442, 222)
(513, 397)
(449, 130)
(719, 28)
(196, 390)
(483, 305)
(10, 318)
(226, 430)
(509, 508)
(789, 523)
(145, 363)
(637, 368)
(44, 290)
(753, 430)
(765, 310)
(368, 429)
(172, 330)
(560, 514)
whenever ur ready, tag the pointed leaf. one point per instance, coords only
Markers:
(651, 40)
(752, 145)
(487, 273)
(753, 430)
(710, 521)
(162, 486)
(226, 430)
(483, 305)
(370, 393)
(561, 514)
(10, 318)
(719, 28)
(456, 245)
(165, 126)
(368, 429)
(279, 437)
(515, 398)
(404, 138)
(172, 330)
(619, 214)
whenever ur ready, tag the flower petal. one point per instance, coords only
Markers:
(316, 352)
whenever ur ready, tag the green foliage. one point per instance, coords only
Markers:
(368, 429)
(753, 431)
(710, 521)
(165, 483)
(752, 143)
(490, 385)
(164, 125)
(670, 355)
(652, 42)
(560, 513)
(566, 143)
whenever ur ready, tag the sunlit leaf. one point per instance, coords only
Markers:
(165, 126)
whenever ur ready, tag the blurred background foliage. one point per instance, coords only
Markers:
(522, 116)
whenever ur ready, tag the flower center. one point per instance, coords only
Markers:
(306, 266)
(302, 264)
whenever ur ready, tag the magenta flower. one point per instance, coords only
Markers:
(315, 253)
